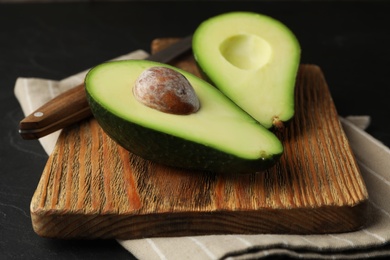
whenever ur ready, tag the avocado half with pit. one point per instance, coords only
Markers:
(218, 137)
(253, 59)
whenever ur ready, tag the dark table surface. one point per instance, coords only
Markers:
(348, 40)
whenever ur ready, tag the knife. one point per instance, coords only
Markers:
(72, 106)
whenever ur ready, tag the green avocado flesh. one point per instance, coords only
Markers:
(219, 137)
(253, 59)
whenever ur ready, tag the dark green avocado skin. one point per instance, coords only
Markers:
(173, 151)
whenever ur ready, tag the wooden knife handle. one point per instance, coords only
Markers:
(64, 110)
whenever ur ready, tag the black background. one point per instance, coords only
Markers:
(349, 40)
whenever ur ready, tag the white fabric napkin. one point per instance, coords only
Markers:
(372, 241)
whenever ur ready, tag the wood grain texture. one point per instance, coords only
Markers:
(93, 188)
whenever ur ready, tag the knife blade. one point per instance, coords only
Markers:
(72, 106)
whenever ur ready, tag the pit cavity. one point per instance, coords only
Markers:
(246, 51)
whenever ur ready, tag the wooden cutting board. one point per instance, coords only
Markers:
(93, 188)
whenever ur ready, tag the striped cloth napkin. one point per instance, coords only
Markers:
(372, 241)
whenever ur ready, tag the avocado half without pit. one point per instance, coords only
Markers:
(206, 131)
(253, 59)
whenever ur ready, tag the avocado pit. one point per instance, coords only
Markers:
(166, 90)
